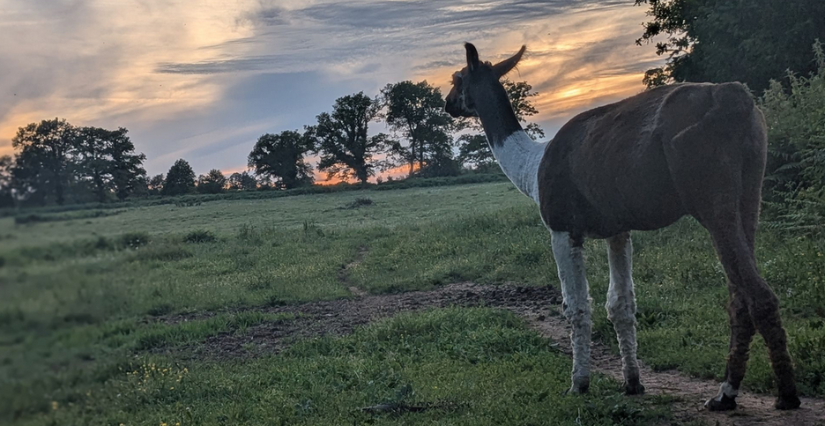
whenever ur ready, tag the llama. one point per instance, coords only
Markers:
(641, 164)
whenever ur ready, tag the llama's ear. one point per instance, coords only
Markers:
(503, 67)
(472, 57)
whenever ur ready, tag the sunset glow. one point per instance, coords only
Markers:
(203, 80)
(399, 172)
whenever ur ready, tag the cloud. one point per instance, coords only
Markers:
(204, 80)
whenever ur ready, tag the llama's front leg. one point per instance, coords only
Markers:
(570, 261)
(621, 308)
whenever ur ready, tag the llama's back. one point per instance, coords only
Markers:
(720, 158)
(612, 160)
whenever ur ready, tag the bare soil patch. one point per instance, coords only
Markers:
(340, 317)
(538, 305)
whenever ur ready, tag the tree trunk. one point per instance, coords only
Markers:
(99, 189)
(362, 175)
(412, 158)
(58, 193)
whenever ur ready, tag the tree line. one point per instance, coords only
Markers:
(57, 162)
(422, 138)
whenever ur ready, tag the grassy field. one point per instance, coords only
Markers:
(89, 299)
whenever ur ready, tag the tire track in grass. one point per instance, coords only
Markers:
(343, 273)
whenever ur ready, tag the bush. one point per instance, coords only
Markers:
(134, 239)
(359, 202)
(200, 236)
(162, 253)
(56, 217)
(796, 168)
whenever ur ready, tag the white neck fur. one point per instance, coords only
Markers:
(519, 157)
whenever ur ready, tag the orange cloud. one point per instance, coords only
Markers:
(586, 59)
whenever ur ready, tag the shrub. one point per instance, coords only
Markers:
(57, 217)
(160, 309)
(163, 253)
(200, 236)
(134, 239)
(796, 168)
(359, 202)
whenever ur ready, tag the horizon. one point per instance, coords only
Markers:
(202, 81)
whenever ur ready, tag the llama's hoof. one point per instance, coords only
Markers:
(787, 403)
(721, 402)
(576, 390)
(579, 386)
(633, 387)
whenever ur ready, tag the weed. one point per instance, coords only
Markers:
(200, 236)
(134, 240)
(358, 202)
(160, 309)
(162, 252)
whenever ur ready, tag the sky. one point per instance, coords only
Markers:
(203, 79)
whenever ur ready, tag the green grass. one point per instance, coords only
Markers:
(461, 366)
(84, 301)
(389, 208)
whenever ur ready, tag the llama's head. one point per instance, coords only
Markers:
(477, 82)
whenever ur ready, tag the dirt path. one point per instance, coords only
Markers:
(753, 409)
(538, 305)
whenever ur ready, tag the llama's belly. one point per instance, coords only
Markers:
(604, 210)
(640, 206)
(588, 222)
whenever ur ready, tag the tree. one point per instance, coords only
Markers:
(346, 150)
(213, 182)
(6, 195)
(751, 41)
(520, 94)
(242, 182)
(127, 167)
(474, 149)
(281, 158)
(155, 184)
(44, 162)
(140, 188)
(90, 159)
(107, 159)
(416, 110)
(180, 179)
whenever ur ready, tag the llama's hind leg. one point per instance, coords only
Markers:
(742, 327)
(741, 334)
(763, 306)
(570, 261)
(621, 308)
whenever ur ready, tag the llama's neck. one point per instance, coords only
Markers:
(518, 155)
